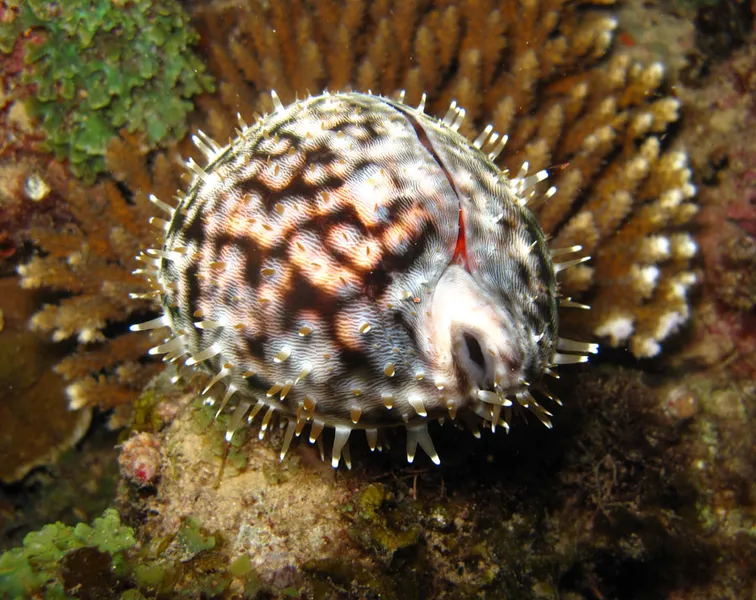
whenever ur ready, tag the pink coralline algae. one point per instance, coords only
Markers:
(140, 459)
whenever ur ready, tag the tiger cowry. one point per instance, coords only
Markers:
(353, 263)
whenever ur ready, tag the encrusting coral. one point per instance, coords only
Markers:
(532, 70)
(98, 66)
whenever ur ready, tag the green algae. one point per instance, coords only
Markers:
(241, 566)
(193, 540)
(232, 454)
(105, 560)
(96, 66)
(150, 575)
(383, 529)
(203, 417)
(146, 416)
(236, 461)
(48, 556)
(349, 575)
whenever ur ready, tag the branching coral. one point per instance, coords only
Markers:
(91, 263)
(534, 70)
(99, 66)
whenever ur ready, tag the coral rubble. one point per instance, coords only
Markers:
(649, 495)
(97, 67)
(537, 71)
(289, 511)
(628, 499)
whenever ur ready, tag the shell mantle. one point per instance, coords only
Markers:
(351, 262)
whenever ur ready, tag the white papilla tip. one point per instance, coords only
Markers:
(277, 105)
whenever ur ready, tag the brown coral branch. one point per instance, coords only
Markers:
(92, 262)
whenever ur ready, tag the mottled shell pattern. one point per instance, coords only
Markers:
(350, 262)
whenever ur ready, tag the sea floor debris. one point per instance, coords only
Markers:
(615, 490)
